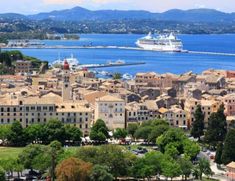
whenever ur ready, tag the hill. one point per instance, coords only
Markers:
(81, 14)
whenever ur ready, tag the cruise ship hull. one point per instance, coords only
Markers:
(160, 48)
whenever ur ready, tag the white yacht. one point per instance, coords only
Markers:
(166, 42)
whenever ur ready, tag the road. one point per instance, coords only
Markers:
(218, 174)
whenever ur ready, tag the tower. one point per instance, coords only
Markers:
(66, 88)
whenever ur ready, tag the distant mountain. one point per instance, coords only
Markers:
(193, 15)
(80, 14)
(12, 16)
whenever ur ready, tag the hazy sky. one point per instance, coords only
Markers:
(35, 6)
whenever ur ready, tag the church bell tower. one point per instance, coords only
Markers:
(66, 89)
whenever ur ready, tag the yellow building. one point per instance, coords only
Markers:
(208, 107)
(175, 116)
(39, 110)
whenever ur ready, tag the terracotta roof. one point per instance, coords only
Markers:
(109, 98)
(92, 96)
(163, 110)
(231, 165)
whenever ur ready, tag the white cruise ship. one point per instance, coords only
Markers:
(167, 43)
(73, 62)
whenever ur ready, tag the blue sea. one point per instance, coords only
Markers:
(155, 61)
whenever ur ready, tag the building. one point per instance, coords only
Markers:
(66, 87)
(175, 116)
(23, 66)
(215, 82)
(231, 171)
(152, 79)
(140, 112)
(40, 109)
(208, 107)
(229, 104)
(111, 110)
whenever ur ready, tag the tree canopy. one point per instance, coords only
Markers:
(228, 153)
(198, 123)
(217, 127)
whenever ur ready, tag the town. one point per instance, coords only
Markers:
(80, 99)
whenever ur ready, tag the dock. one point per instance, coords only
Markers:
(90, 66)
(116, 47)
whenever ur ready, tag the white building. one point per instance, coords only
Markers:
(111, 110)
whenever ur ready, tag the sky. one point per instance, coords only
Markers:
(36, 6)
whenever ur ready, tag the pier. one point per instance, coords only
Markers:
(111, 65)
(116, 47)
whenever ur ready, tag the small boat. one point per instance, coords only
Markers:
(127, 76)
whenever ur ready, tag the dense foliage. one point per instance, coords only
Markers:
(198, 123)
(8, 59)
(150, 130)
(217, 127)
(99, 131)
(16, 135)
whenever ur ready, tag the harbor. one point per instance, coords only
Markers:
(113, 47)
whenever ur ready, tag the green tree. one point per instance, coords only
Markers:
(191, 148)
(34, 133)
(100, 173)
(120, 133)
(171, 150)
(143, 132)
(4, 132)
(131, 128)
(228, 153)
(172, 136)
(186, 167)
(8, 165)
(73, 133)
(141, 169)
(5, 58)
(99, 131)
(30, 153)
(115, 157)
(16, 135)
(218, 155)
(217, 127)
(88, 154)
(157, 131)
(198, 123)
(55, 148)
(155, 160)
(117, 76)
(203, 168)
(170, 168)
(2, 174)
(54, 130)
